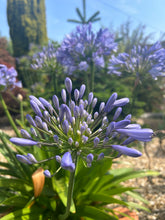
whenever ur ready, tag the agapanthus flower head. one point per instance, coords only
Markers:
(140, 61)
(8, 77)
(46, 58)
(74, 129)
(83, 47)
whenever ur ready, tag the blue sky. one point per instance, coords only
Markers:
(112, 12)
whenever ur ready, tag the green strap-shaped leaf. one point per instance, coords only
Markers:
(62, 190)
(16, 201)
(25, 214)
(16, 184)
(94, 213)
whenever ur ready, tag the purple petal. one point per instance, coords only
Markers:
(23, 141)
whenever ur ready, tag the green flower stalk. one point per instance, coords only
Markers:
(75, 130)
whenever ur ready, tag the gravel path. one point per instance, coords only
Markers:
(152, 189)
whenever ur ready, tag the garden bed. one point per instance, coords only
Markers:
(152, 189)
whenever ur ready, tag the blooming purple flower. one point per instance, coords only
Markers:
(75, 130)
(67, 163)
(82, 47)
(8, 77)
(46, 58)
(140, 61)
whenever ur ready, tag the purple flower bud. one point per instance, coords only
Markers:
(133, 126)
(63, 95)
(37, 101)
(56, 138)
(25, 134)
(90, 98)
(30, 120)
(101, 156)
(71, 105)
(22, 141)
(70, 141)
(85, 139)
(82, 129)
(117, 113)
(65, 126)
(94, 102)
(129, 116)
(45, 126)
(35, 108)
(68, 114)
(23, 159)
(68, 85)
(38, 121)
(127, 151)
(90, 158)
(76, 95)
(82, 90)
(110, 128)
(110, 102)
(144, 134)
(47, 173)
(55, 102)
(121, 102)
(61, 112)
(101, 108)
(46, 116)
(128, 141)
(58, 158)
(76, 144)
(76, 111)
(122, 124)
(33, 131)
(81, 110)
(96, 114)
(67, 163)
(96, 141)
(31, 158)
(47, 105)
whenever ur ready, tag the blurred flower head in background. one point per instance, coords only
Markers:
(83, 47)
(8, 78)
(140, 61)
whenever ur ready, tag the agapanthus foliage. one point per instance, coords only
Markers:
(83, 47)
(75, 129)
(8, 77)
(46, 58)
(140, 61)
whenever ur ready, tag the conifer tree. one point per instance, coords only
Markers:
(27, 22)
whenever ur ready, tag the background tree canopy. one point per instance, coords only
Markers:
(27, 22)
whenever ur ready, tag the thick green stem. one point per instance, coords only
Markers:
(12, 123)
(21, 111)
(70, 193)
(54, 75)
(87, 82)
(92, 77)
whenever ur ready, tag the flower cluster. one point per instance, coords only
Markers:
(83, 46)
(141, 60)
(46, 58)
(75, 129)
(8, 77)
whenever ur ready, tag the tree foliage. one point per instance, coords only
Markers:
(27, 24)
